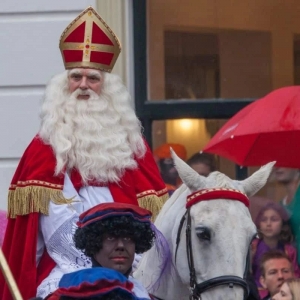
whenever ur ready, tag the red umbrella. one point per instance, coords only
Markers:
(266, 130)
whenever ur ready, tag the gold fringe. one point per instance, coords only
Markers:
(29, 199)
(153, 203)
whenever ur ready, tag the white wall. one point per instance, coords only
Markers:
(29, 56)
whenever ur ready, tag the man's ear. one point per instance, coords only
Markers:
(262, 281)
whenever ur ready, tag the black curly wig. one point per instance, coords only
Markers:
(89, 238)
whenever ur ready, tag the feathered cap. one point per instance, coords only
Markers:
(113, 209)
(88, 42)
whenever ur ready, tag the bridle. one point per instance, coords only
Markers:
(196, 289)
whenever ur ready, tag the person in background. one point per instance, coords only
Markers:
(290, 178)
(94, 284)
(274, 233)
(3, 224)
(290, 290)
(89, 150)
(202, 163)
(165, 164)
(275, 268)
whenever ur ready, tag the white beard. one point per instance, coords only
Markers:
(99, 137)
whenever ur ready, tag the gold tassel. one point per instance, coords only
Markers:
(29, 199)
(153, 203)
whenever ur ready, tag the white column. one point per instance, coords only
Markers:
(118, 15)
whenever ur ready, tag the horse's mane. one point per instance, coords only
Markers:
(161, 249)
(170, 202)
(220, 180)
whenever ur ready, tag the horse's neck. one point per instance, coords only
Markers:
(170, 285)
(174, 205)
(169, 218)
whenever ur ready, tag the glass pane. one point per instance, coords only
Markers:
(193, 135)
(206, 49)
(192, 67)
(297, 60)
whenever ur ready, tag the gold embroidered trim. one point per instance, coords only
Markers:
(34, 182)
(153, 192)
(30, 199)
(153, 203)
(205, 191)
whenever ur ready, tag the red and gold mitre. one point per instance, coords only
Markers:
(88, 42)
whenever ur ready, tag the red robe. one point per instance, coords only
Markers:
(31, 189)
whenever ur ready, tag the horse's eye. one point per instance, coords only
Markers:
(203, 233)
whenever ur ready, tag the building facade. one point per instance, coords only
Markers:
(196, 49)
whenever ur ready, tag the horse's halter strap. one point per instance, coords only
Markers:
(196, 289)
(216, 193)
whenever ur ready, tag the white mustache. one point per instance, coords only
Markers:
(79, 92)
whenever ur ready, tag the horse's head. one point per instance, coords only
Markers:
(221, 229)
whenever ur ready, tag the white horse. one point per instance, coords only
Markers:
(211, 258)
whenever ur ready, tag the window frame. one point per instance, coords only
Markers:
(149, 111)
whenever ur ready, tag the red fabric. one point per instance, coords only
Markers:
(103, 58)
(3, 223)
(163, 151)
(45, 267)
(77, 35)
(215, 194)
(37, 163)
(73, 55)
(36, 168)
(19, 248)
(265, 130)
(53, 296)
(99, 37)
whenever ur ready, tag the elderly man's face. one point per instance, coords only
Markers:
(277, 270)
(85, 79)
(116, 253)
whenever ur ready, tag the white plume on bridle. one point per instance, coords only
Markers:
(99, 136)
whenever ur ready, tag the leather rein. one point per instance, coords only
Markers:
(196, 289)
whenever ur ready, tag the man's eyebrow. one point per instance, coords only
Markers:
(94, 73)
(75, 72)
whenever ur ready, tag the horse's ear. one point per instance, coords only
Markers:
(257, 180)
(189, 176)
